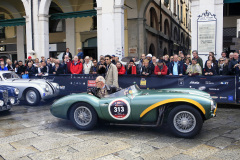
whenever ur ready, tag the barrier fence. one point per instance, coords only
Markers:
(223, 89)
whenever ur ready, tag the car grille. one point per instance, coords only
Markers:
(5, 96)
(50, 84)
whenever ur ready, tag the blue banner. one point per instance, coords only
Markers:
(223, 89)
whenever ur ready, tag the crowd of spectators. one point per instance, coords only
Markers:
(178, 64)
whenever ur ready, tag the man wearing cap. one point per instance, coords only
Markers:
(161, 68)
(151, 65)
(194, 69)
(28, 60)
(80, 53)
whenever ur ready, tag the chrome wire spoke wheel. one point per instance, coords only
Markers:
(82, 115)
(31, 96)
(184, 121)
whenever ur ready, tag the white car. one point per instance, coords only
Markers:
(30, 90)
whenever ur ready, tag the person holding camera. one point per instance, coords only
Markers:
(132, 68)
(102, 67)
(209, 70)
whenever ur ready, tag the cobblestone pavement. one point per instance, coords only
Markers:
(33, 133)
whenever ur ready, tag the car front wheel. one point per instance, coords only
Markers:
(32, 97)
(83, 116)
(185, 121)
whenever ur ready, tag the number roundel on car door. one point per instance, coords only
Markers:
(119, 109)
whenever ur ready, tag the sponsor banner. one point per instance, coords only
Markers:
(221, 88)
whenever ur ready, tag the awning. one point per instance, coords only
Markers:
(231, 1)
(12, 22)
(78, 14)
(22, 22)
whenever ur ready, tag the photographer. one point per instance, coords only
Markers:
(102, 67)
(132, 68)
(209, 70)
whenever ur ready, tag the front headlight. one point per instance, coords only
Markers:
(47, 88)
(16, 91)
(12, 100)
(57, 87)
(213, 106)
(1, 103)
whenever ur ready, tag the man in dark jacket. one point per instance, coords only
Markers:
(67, 53)
(209, 70)
(57, 69)
(233, 64)
(31, 69)
(21, 68)
(44, 69)
(146, 69)
(94, 68)
(176, 66)
(102, 90)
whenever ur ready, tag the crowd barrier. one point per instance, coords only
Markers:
(223, 89)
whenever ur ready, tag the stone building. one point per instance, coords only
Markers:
(123, 27)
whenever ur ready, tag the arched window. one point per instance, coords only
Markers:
(152, 49)
(182, 38)
(153, 18)
(57, 25)
(165, 52)
(166, 27)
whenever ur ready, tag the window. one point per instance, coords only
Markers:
(186, 20)
(166, 27)
(57, 25)
(2, 29)
(175, 7)
(153, 19)
(181, 18)
(161, 22)
(94, 3)
(166, 2)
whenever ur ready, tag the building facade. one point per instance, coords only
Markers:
(126, 28)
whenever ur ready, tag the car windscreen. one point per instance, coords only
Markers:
(10, 76)
(130, 90)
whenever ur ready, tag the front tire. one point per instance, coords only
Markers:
(185, 121)
(83, 116)
(32, 97)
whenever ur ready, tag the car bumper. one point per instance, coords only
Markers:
(50, 95)
(5, 107)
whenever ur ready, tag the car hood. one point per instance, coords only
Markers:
(177, 91)
(6, 87)
(27, 81)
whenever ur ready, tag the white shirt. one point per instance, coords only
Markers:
(87, 67)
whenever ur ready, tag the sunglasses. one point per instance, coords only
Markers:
(221, 60)
(107, 59)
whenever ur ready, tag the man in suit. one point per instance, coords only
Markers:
(111, 73)
(67, 53)
(176, 66)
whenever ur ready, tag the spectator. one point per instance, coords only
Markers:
(3, 67)
(116, 59)
(76, 66)
(21, 68)
(101, 57)
(36, 62)
(132, 68)
(102, 67)
(166, 60)
(52, 61)
(67, 65)
(94, 68)
(149, 58)
(113, 60)
(87, 65)
(43, 59)
(57, 69)
(231, 56)
(181, 55)
(214, 62)
(209, 70)
(49, 65)
(10, 66)
(185, 65)
(146, 69)
(44, 68)
(161, 68)
(121, 69)
(171, 59)
(80, 53)
(194, 69)
(233, 64)
(25, 75)
(154, 61)
(82, 61)
(112, 72)
(28, 60)
(199, 60)
(211, 54)
(16, 68)
(222, 67)
(188, 56)
(90, 59)
(7, 60)
(67, 53)
(224, 55)
(143, 57)
(176, 67)
(31, 69)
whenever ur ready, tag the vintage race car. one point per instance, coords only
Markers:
(184, 110)
(30, 90)
(8, 97)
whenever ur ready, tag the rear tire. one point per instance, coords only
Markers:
(83, 116)
(185, 121)
(32, 97)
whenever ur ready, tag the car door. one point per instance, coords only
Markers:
(116, 108)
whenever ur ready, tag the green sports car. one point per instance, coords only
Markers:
(184, 110)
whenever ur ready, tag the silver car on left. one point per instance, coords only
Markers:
(32, 91)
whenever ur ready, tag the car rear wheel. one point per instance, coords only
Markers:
(32, 97)
(185, 121)
(83, 116)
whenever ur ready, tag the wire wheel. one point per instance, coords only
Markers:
(82, 116)
(184, 121)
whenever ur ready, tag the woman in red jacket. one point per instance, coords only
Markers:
(76, 66)
(161, 68)
(121, 68)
